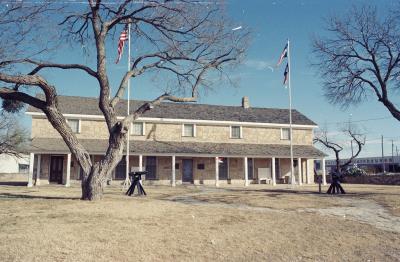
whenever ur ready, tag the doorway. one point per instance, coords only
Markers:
(56, 169)
(187, 171)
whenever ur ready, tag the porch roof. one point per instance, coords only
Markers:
(97, 146)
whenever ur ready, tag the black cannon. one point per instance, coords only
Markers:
(335, 187)
(136, 181)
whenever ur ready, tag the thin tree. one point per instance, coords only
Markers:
(337, 147)
(13, 137)
(187, 42)
(359, 58)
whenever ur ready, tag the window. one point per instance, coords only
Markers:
(75, 125)
(236, 132)
(137, 129)
(189, 130)
(285, 133)
(200, 166)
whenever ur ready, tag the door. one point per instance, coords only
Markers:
(277, 169)
(56, 169)
(120, 169)
(250, 168)
(151, 167)
(223, 168)
(187, 175)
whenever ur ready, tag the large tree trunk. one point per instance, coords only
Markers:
(93, 184)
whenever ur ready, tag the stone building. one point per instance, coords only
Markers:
(181, 143)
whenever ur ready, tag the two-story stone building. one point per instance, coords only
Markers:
(181, 143)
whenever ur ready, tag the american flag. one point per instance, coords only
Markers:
(286, 74)
(121, 42)
(283, 55)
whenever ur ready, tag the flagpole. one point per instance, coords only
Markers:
(127, 181)
(292, 177)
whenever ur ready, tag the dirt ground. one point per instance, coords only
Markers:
(199, 223)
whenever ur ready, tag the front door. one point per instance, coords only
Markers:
(56, 169)
(120, 169)
(250, 168)
(187, 175)
(223, 168)
(151, 167)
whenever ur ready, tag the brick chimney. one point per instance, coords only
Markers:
(245, 102)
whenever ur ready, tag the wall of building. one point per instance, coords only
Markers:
(10, 164)
(173, 132)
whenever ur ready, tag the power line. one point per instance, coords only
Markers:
(357, 121)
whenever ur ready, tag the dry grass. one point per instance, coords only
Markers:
(258, 223)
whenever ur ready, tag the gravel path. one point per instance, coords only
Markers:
(360, 210)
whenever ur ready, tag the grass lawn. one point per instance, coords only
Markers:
(189, 223)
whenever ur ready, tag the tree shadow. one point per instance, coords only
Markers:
(13, 183)
(10, 195)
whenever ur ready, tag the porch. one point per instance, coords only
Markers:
(175, 170)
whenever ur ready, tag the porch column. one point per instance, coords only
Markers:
(323, 171)
(246, 172)
(37, 182)
(67, 180)
(30, 174)
(216, 171)
(140, 162)
(273, 171)
(173, 183)
(308, 171)
(299, 171)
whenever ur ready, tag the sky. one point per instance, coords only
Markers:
(272, 22)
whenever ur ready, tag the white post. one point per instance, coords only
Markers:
(30, 174)
(216, 171)
(127, 181)
(140, 162)
(67, 181)
(323, 172)
(308, 171)
(273, 171)
(246, 172)
(299, 171)
(292, 176)
(173, 182)
(37, 182)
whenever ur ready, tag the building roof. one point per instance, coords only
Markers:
(96, 146)
(89, 106)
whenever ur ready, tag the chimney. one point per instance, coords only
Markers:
(245, 102)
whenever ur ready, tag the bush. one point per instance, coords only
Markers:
(355, 171)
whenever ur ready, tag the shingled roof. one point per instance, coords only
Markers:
(99, 146)
(89, 106)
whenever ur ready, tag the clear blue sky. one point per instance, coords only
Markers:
(272, 22)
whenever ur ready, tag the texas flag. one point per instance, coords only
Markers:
(283, 55)
(286, 74)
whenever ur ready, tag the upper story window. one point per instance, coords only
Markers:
(285, 134)
(138, 129)
(75, 125)
(236, 132)
(189, 130)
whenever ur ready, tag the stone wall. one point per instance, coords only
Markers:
(41, 128)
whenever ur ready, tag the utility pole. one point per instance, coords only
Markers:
(392, 157)
(383, 158)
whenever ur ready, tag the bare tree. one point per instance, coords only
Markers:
(13, 138)
(350, 132)
(360, 58)
(186, 43)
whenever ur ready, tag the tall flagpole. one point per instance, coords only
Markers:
(127, 181)
(292, 177)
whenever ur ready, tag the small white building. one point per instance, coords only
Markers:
(12, 165)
